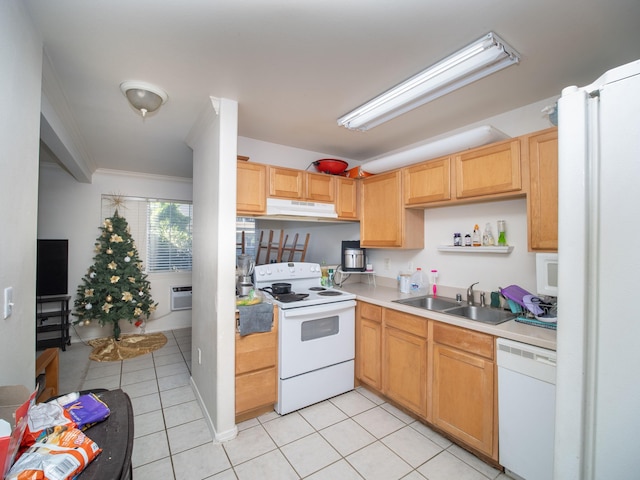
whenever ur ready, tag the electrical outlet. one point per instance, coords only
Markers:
(410, 267)
(7, 306)
(387, 264)
(199, 356)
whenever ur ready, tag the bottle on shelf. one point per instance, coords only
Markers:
(476, 241)
(502, 234)
(467, 239)
(487, 238)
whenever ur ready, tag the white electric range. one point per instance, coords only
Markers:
(316, 335)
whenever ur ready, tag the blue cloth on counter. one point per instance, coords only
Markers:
(255, 318)
(538, 323)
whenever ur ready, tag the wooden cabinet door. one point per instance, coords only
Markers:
(256, 389)
(369, 344)
(347, 198)
(251, 189)
(427, 182)
(405, 370)
(256, 372)
(463, 397)
(286, 183)
(320, 187)
(384, 222)
(542, 200)
(489, 170)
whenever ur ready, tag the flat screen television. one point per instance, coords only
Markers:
(52, 267)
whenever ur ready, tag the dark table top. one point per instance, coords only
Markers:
(114, 436)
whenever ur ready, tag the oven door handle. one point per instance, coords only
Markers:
(318, 309)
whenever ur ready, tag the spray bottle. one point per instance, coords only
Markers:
(434, 279)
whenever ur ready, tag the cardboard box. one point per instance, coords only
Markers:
(15, 401)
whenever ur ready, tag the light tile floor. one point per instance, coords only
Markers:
(352, 436)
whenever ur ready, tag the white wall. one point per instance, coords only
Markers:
(213, 140)
(282, 155)
(72, 210)
(20, 80)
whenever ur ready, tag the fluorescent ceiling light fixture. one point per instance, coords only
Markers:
(477, 60)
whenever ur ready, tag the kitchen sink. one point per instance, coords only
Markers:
(429, 302)
(452, 307)
(481, 314)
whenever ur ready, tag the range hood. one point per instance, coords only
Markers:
(278, 207)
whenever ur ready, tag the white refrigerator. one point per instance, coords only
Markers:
(598, 375)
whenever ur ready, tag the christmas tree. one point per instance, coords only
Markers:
(115, 287)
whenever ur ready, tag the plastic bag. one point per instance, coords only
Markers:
(59, 453)
(87, 410)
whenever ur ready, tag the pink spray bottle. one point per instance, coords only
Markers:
(434, 277)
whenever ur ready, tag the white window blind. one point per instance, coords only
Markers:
(161, 230)
(169, 236)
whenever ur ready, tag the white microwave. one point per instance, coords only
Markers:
(547, 274)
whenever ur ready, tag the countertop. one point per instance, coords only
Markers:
(519, 332)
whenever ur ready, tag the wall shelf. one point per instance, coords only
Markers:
(495, 249)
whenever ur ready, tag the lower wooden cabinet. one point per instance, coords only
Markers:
(369, 344)
(464, 387)
(444, 374)
(256, 372)
(405, 369)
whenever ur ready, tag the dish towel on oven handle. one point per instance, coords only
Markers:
(255, 318)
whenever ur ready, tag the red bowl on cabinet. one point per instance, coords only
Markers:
(331, 165)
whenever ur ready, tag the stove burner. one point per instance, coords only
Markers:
(317, 289)
(330, 293)
(290, 297)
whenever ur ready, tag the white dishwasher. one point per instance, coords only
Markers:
(526, 409)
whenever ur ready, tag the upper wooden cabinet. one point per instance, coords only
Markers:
(490, 170)
(427, 182)
(542, 201)
(251, 188)
(320, 187)
(346, 198)
(301, 185)
(286, 183)
(384, 221)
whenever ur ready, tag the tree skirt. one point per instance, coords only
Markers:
(129, 346)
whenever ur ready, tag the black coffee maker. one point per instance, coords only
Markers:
(353, 257)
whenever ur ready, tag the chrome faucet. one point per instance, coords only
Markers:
(470, 300)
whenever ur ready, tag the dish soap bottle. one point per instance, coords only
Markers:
(476, 242)
(487, 238)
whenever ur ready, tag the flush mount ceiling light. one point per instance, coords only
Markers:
(144, 97)
(477, 60)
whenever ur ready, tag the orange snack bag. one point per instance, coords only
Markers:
(59, 453)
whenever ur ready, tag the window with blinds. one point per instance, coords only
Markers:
(161, 229)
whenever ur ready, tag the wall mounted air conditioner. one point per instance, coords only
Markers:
(181, 298)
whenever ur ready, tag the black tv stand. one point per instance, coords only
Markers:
(52, 322)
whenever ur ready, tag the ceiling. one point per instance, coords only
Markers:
(295, 66)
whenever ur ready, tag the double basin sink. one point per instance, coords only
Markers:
(450, 306)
